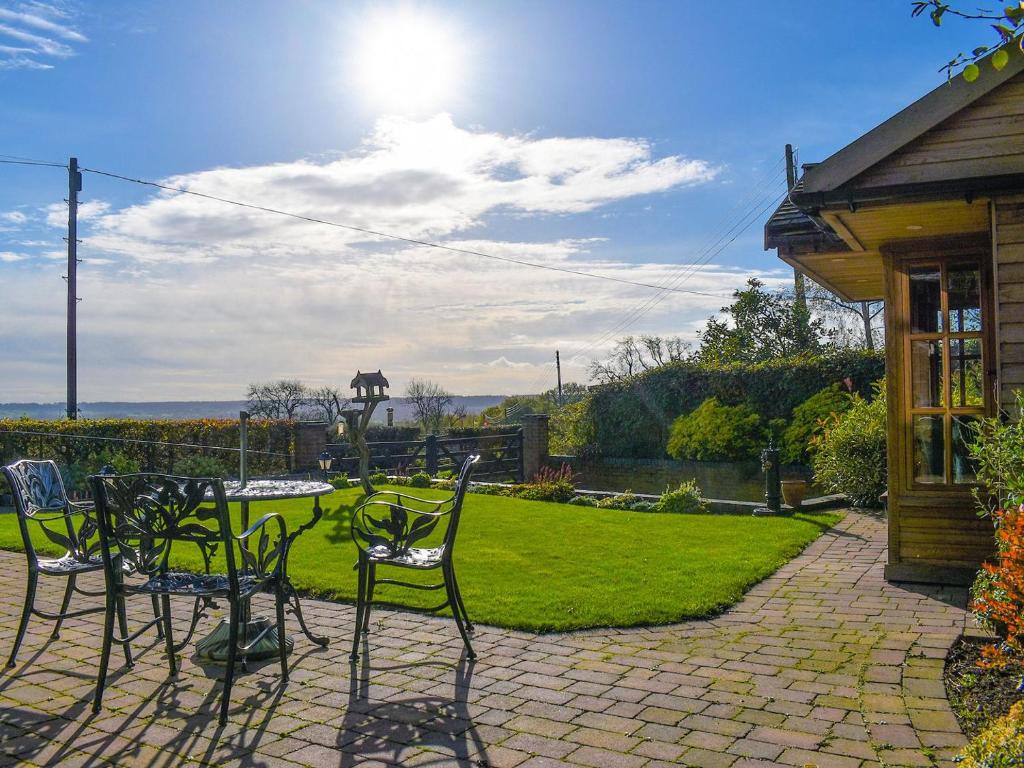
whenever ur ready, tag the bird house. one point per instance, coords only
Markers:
(369, 387)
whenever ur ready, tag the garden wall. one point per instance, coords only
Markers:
(632, 418)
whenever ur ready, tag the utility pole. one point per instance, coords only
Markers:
(558, 367)
(74, 187)
(799, 286)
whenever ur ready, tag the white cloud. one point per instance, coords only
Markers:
(186, 298)
(9, 256)
(40, 32)
(13, 217)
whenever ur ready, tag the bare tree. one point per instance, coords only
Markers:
(325, 404)
(854, 321)
(430, 402)
(281, 399)
(633, 355)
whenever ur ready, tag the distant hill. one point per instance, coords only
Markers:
(210, 409)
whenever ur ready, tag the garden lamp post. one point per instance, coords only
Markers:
(772, 483)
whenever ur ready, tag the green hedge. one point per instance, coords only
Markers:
(633, 418)
(72, 444)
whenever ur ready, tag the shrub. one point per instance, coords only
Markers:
(849, 456)
(340, 480)
(583, 501)
(200, 466)
(621, 501)
(684, 500)
(998, 746)
(559, 490)
(445, 474)
(998, 452)
(419, 480)
(378, 478)
(715, 431)
(809, 419)
(645, 506)
(631, 418)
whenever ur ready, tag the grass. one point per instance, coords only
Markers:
(542, 566)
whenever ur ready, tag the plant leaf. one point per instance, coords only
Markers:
(1000, 59)
(971, 73)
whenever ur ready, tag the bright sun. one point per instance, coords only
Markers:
(407, 61)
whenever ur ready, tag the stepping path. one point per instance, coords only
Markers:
(822, 664)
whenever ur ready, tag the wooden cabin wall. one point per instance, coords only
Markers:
(1009, 274)
(982, 139)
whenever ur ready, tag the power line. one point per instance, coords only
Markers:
(14, 160)
(390, 236)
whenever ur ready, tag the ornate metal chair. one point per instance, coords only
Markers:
(385, 527)
(40, 498)
(141, 516)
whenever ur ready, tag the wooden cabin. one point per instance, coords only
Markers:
(926, 211)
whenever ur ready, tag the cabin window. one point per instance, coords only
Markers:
(946, 368)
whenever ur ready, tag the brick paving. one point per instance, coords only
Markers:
(823, 664)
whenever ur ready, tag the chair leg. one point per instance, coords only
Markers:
(157, 615)
(281, 640)
(172, 661)
(108, 640)
(122, 627)
(360, 597)
(458, 597)
(26, 612)
(371, 581)
(449, 586)
(229, 671)
(64, 604)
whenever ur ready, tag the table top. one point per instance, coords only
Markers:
(270, 490)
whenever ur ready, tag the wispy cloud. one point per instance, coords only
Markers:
(42, 33)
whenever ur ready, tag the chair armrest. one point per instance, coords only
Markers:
(398, 528)
(261, 523)
(76, 507)
(435, 503)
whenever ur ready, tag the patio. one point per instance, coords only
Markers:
(823, 663)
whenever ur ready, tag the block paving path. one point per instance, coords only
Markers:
(822, 664)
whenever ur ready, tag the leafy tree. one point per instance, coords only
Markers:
(760, 325)
(1008, 25)
(633, 355)
(431, 403)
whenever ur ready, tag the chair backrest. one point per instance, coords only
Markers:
(141, 515)
(460, 493)
(39, 496)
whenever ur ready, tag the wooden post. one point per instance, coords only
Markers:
(74, 187)
(558, 367)
(431, 454)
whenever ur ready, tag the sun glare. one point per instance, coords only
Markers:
(407, 61)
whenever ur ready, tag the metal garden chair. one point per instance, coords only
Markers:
(385, 527)
(40, 499)
(141, 517)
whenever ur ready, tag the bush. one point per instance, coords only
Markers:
(998, 452)
(684, 500)
(715, 431)
(378, 478)
(621, 501)
(340, 480)
(809, 420)
(849, 456)
(645, 506)
(419, 480)
(998, 746)
(200, 466)
(559, 490)
(631, 418)
(583, 501)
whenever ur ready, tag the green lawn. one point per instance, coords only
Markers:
(541, 566)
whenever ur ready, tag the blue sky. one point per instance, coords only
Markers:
(620, 138)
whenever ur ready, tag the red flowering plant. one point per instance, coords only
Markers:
(998, 592)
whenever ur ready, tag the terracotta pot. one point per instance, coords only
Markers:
(793, 491)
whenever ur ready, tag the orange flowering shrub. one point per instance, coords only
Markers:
(998, 594)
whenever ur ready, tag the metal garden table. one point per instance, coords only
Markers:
(214, 646)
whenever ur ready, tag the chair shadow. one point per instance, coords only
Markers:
(432, 723)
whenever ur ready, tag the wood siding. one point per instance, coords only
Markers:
(984, 139)
(1009, 268)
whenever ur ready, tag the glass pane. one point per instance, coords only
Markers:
(926, 370)
(929, 450)
(925, 300)
(965, 470)
(965, 373)
(963, 282)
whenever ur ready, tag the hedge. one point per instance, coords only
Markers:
(632, 418)
(74, 443)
